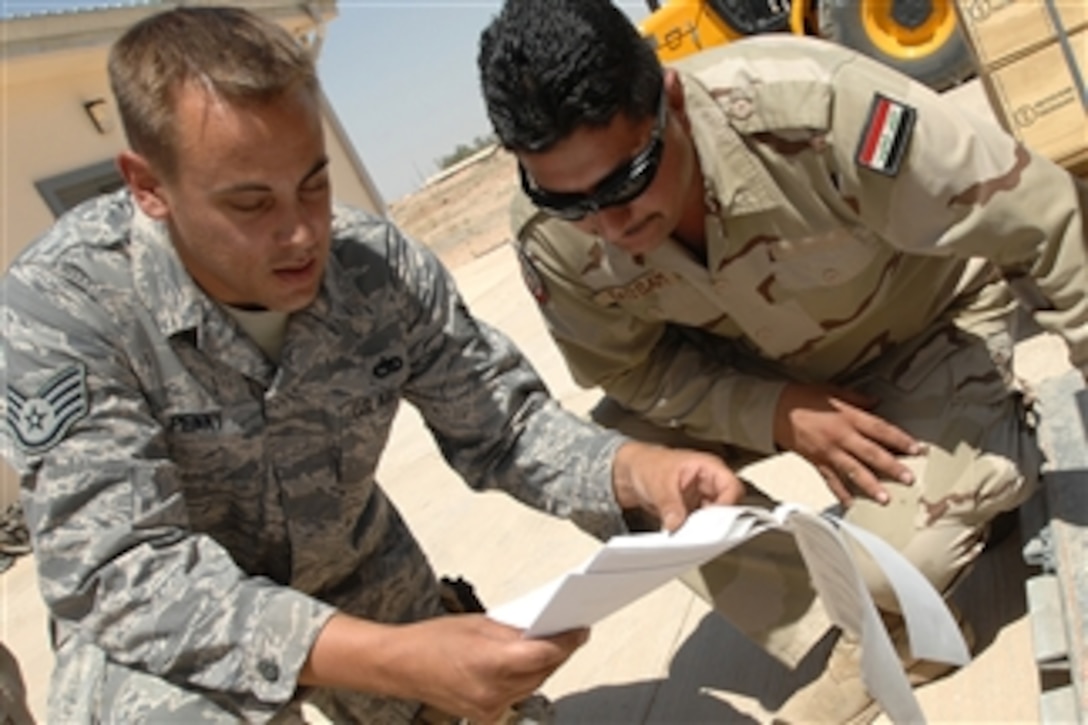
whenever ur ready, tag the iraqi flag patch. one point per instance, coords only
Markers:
(886, 136)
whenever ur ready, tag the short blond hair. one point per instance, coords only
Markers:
(231, 52)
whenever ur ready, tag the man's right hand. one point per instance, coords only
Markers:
(852, 449)
(466, 664)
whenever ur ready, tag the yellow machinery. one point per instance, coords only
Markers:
(919, 37)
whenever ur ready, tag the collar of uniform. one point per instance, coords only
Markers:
(160, 279)
(329, 312)
(740, 184)
(179, 305)
(321, 308)
(333, 284)
(331, 288)
(524, 215)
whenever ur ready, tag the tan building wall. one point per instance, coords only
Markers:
(50, 66)
(47, 132)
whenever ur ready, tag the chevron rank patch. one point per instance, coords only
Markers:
(887, 133)
(38, 421)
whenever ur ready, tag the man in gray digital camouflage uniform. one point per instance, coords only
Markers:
(201, 372)
(784, 246)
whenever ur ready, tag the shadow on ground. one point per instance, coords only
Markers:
(716, 658)
(983, 595)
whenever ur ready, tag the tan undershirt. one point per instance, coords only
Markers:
(264, 327)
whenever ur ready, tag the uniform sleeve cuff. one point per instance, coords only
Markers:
(752, 409)
(279, 641)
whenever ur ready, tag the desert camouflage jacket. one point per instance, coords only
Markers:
(848, 209)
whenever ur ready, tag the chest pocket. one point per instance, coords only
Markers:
(214, 452)
(367, 396)
(362, 428)
(824, 260)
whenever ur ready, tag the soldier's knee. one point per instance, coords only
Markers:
(943, 560)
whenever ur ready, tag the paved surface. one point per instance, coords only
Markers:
(665, 658)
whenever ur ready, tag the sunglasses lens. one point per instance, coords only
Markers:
(571, 213)
(616, 191)
(637, 180)
(622, 186)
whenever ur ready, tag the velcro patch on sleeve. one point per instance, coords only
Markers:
(531, 275)
(887, 133)
(39, 420)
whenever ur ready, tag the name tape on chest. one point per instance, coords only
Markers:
(39, 421)
(642, 287)
(195, 423)
(886, 135)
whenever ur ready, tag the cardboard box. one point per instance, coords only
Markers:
(1038, 100)
(1002, 30)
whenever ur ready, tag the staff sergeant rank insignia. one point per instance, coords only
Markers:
(39, 421)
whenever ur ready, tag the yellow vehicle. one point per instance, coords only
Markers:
(919, 37)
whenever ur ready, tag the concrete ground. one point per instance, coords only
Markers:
(665, 658)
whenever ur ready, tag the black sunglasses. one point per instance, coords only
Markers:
(621, 186)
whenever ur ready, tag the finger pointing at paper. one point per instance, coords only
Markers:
(671, 483)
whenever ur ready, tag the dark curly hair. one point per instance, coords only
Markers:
(548, 67)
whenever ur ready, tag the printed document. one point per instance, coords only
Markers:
(629, 567)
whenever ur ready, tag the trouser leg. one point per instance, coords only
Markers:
(953, 391)
(13, 705)
(762, 587)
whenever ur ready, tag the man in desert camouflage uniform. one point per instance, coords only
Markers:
(783, 245)
(201, 372)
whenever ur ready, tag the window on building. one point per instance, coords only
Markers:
(64, 191)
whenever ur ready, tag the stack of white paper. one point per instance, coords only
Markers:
(628, 567)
